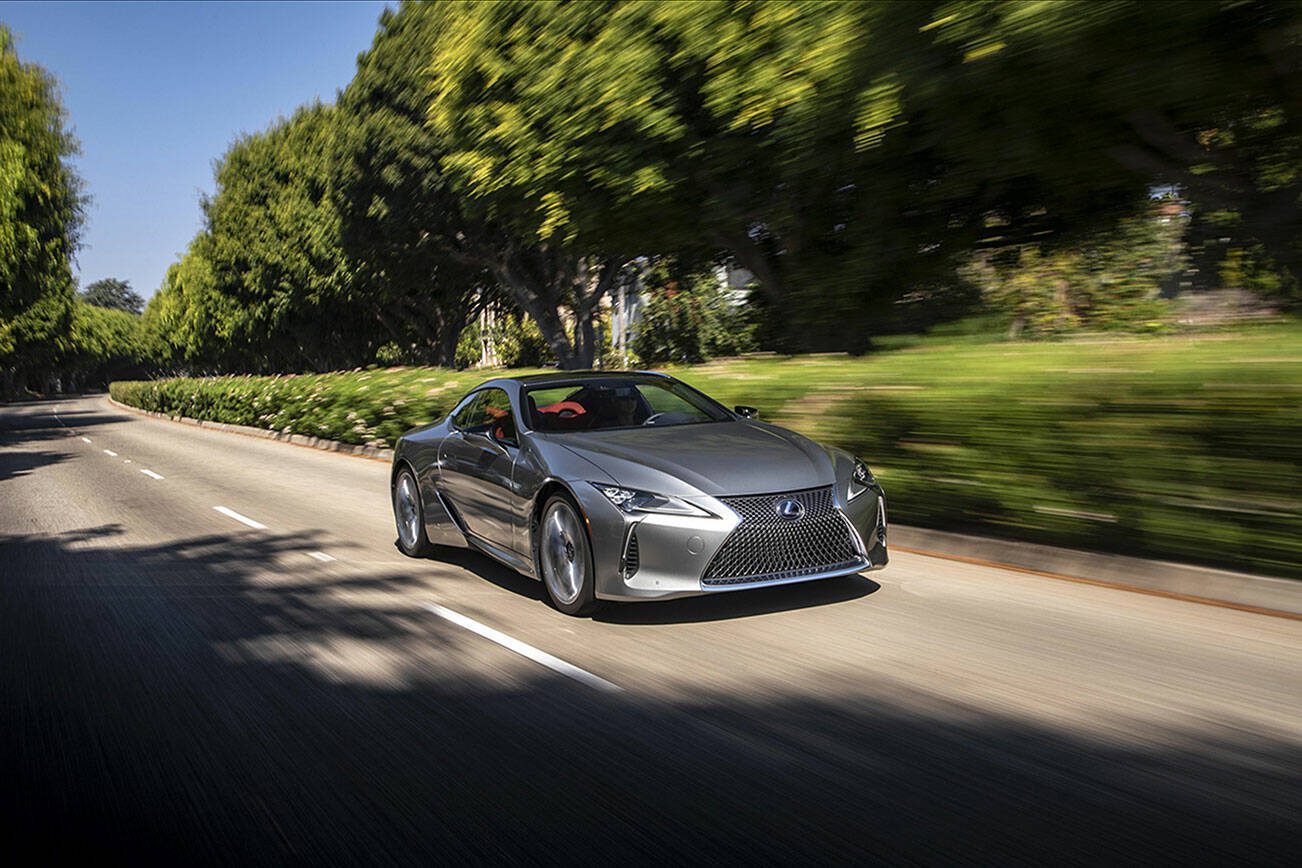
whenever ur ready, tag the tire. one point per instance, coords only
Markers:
(409, 516)
(565, 557)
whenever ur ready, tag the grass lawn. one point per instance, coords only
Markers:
(1184, 447)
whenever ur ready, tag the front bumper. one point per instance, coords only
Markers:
(673, 552)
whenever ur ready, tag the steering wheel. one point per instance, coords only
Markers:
(651, 420)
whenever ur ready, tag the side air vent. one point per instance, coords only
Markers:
(631, 559)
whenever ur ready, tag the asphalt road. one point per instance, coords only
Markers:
(176, 684)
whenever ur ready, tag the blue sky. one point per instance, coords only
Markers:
(157, 91)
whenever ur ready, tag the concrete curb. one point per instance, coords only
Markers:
(376, 453)
(1260, 594)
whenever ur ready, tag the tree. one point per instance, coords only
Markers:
(1071, 111)
(396, 211)
(188, 326)
(102, 343)
(551, 273)
(273, 246)
(842, 152)
(113, 293)
(614, 129)
(40, 214)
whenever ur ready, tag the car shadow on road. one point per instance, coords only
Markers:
(484, 567)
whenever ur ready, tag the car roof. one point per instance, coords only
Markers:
(582, 376)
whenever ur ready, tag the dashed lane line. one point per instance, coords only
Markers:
(321, 556)
(151, 474)
(242, 519)
(524, 649)
(110, 453)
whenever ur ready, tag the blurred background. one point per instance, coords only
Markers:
(1038, 262)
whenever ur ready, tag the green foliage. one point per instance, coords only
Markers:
(101, 343)
(1249, 267)
(689, 320)
(40, 213)
(515, 339)
(36, 339)
(1151, 446)
(361, 407)
(1110, 282)
(187, 324)
(399, 219)
(113, 293)
(274, 249)
(847, 152)
(849, 155)
(690, 126)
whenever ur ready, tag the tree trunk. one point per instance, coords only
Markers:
(399, 339)
(585, 340)
(540, 279)
(540, 299)
(548, 320)
(450, 329)
(587, 304)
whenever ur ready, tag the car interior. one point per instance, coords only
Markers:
(592, 406)
(609, 404)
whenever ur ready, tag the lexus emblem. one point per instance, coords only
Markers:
(791, 510)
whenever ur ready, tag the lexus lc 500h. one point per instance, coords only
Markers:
(632, 486)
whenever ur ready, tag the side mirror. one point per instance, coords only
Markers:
(746, 412)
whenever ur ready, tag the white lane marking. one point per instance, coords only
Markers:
(555, 664)
(321, 556)
(127, 460)
(85, 439)
(243, 519)
(151, 474)
(110, 453)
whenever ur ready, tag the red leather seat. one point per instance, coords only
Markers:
(574, 406)
(565, 416)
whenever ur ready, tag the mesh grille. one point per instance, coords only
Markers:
(767, 546)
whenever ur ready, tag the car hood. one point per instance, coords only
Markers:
(716, 458)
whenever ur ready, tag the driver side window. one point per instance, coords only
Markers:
(488, 412)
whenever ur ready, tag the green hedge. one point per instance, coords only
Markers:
(371, 407)
(1182, 447)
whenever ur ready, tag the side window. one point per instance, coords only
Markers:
(488, 413)
(463, 417)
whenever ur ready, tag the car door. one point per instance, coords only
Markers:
(476, 463)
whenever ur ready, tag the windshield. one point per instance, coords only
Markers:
(610, 402)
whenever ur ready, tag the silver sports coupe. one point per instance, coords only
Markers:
(632, 486)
